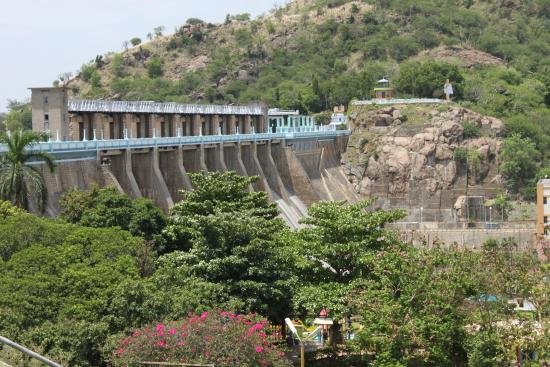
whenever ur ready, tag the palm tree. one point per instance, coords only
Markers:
(18, 180)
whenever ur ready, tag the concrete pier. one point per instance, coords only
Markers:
(295, 174)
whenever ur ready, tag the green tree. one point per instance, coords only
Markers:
(229, 235)
(117, 66)
(20, 181)
(331, 253)
(56, 294)
(19, 116)
(411, 307)
(154, 67)
(106, 207)
(426, 79)
(519, 161)
(135, 41)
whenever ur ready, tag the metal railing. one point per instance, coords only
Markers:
(159, 107)
(28, 352)
(95, 145)
(389, 101)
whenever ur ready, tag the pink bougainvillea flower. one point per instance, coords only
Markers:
(161, 344)
(204, 315)
(172, 331)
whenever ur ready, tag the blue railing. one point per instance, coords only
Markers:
(94, 145)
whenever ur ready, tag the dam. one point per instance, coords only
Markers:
(147, 149)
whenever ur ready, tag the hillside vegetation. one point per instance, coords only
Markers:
(314, 54)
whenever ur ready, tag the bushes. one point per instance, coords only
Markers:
(220, 338)
(154, 67)
(108, 208)
(87, 71)
(519, 161)
(426, 79)
(471, 130)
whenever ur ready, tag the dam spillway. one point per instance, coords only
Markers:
(294, 169)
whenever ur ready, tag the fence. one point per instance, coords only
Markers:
(93, 145)
(28, 352)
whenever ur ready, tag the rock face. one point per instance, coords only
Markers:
(390, 157)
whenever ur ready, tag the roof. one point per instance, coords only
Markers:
(322, 321)
(278, 112)
(156, 107)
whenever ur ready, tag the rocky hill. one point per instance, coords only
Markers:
(314, 54)
(414, 156)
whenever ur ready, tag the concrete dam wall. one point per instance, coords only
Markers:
(295, 174)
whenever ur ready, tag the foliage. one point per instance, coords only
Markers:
(413, 320)
(501, 205)
(426, 79)
(55, 286)
(347, 55)
(157, 31)
(471, 130)
(229, 234)
(194, 21)
(70, 292)
(330, 253)
(154, 67)
(218, 337)
(106, 207)
(519, 161)
(19, 116)
(117, 66)
(460, 155)
(8, 210)
(87, 71)
(21, 183)
(135, 41)
(438, 307)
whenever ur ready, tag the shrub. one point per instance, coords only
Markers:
(519, 158)
(7, 209)
(95, 79)
(426, 79)
(460, 155)
(117, 66)
(471, 130)
(154, 67)
(135, 41)
(222, 338)
(194, 21)
(87, 71)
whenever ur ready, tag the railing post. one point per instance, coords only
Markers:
(28, 352)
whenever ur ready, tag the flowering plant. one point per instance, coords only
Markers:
(218, 337)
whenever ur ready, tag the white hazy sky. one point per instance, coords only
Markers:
(40, 39)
